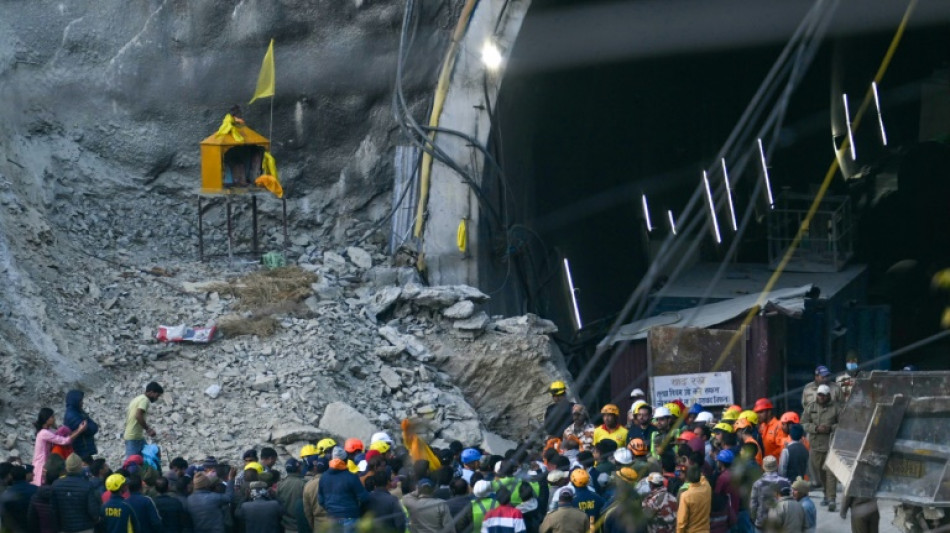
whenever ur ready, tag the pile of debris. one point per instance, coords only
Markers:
(353, 347)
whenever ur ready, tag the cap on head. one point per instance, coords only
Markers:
(558, 388)
(115, 482)
(823, 371)
(801, 486)
(824, 389)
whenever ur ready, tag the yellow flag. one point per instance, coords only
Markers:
(418, 448)
(265, 80)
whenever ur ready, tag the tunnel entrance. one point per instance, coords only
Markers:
(581, 143)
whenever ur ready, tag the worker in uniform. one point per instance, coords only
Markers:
(845, 381)
(558, 415)
(822, 377)
(820, 419)
(611, 428)
(770, 428)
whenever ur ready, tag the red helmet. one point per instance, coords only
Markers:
(762, 404)
(790, 417)
(353, 445)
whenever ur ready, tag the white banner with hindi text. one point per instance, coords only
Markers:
(707, 388)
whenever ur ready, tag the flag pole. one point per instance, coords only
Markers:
(270, 131)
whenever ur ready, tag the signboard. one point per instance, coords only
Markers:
(707, 388)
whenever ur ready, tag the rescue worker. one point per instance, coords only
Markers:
(116, 516)
(585, 499)
(659, 506)
(822, 377)
(770, 428)
(483, 502)
(663, 437)
(580, 429)
(642, 426)
(845, 381)
(819, 420)
(746, 433)
(558, 415)
(611, 428)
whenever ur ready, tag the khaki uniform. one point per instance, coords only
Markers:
(816, 415)
(810, 394)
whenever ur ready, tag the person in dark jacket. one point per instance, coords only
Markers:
(15, 501)
(42, 516)
(173, 513)
(143, 506)
(261, 514)
(75, 499)
(116, 515)
(460, 504)
(341, 493)
(384, 508)
(290, 493)
(205, 507)
(84, 445)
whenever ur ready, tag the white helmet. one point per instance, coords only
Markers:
(623, 456)
(637, 393)
(705, 417)
(481, 489)
(661, 411)
(381, 436)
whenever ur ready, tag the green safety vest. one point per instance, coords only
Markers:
(513, 484)
(479, 511)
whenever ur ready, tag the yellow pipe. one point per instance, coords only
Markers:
(441, 92)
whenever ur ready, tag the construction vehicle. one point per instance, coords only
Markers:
(893, 443)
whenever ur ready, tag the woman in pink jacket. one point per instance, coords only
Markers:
(45, 439)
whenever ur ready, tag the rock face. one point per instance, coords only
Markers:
(344, 421)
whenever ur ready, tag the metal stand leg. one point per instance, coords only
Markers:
(230, 248)
(283, 202)
(201, 233)
(254, 241)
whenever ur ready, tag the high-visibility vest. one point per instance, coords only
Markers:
(479, 510)
(513, 485)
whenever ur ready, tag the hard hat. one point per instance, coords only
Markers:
(742, 423)
(610, 409)
(308, 450)
(114, 482)
(381, 436)
(730, 415)
(695, 409)
(726, 456)
(638, 404)
(751, 416)
(790, 417)
(674, 409)
(353, 445)
(481, 489)
(627, 474)
(380, 446)
(623, 456)
(557, 388)
(580, 477)
(325, 445)
(705, 417)
(722, 426)
(254, 466)
(762, 404)
(638, 447)
(736, 408)
(637, 393)
(471, 455)
(686, 436)
(662, 411)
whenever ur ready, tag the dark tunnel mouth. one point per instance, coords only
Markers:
(579, 146)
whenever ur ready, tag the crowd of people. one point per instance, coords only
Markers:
(672, 467)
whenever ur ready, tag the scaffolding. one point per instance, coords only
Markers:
(827, 243)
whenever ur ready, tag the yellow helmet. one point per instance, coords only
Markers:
(558, 388)
(254, 466)
(724, 427)
(308, 450)
(380, 446)
(730, 415)
(325, 445)
(638, 404)
(751, 416)
(674, 409)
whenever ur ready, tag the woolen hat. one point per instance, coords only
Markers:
(73, 464)
(802, 486)
(769, 464)
(338, 453)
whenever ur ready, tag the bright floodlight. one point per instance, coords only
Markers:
(491, 56)
(732, 207)
(712, 209)
(880, 118)
(570, 286)
(765, 175)
(672, 222)
(847, 121)
(646, 213)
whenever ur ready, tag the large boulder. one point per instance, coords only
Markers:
(343, 420)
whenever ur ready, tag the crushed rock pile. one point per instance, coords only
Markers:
(362, 347)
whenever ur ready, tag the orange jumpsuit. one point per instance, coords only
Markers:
(772, 437)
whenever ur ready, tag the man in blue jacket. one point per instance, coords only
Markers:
(207, 508)
(116, 515)
(341, 494)
(84, 445)
(143, 506)
(75, 499)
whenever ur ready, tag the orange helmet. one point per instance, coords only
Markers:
(762, 404)
(736, 408)
(353, 445)
(790, 417)
(742, 423)
(638, 447)
(580, 477)
(610, 409)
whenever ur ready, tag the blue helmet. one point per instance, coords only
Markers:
(471, 455)
(726, 456)
(695, 409)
